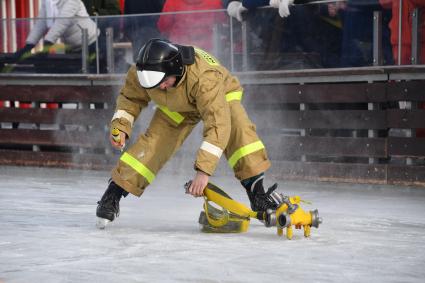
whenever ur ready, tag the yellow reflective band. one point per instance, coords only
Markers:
(244, 151)
(207, 57)
(138, 166)
(175, 116)
(234, 95)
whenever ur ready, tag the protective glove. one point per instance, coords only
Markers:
(235, 9)
(283, 6)
(24, 52)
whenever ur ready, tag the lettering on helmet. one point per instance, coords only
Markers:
(207, 57)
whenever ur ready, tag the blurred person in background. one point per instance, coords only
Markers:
(64, 20)
(195, 28)
(102, 7)
(139, 29)
(237, 8)
(357, 37)
(297, 36)
(264, 30)
(105, 9)
(60, 19)
(406, 28)
(406, 39)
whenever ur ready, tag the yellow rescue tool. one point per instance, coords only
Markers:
(234, 217)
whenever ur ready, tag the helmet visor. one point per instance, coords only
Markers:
(150, 79)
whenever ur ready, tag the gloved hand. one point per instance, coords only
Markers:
(283, 6)
(24, 52)
(235, 9)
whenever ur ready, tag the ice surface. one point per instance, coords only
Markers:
(48, 234)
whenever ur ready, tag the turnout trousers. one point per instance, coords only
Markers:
(138, 166)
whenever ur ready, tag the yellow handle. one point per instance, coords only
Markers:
(227, 202)
(116, 135)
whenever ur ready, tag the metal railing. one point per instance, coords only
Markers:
(233, 42)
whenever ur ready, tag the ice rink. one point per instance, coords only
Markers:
(48, 234)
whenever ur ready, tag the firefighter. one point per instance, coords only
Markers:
(188, 85)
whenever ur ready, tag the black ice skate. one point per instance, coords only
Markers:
(261, 201)
(109, 205)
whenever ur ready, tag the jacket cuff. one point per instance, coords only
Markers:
(123, 125)
(206, 162)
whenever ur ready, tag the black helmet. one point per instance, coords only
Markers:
(158, 59)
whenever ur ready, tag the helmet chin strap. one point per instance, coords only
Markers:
(178, 78)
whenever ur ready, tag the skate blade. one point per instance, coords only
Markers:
(101, 223)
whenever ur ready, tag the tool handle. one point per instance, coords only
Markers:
(116, 135)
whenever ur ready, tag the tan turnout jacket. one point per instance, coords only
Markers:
(208, 92)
